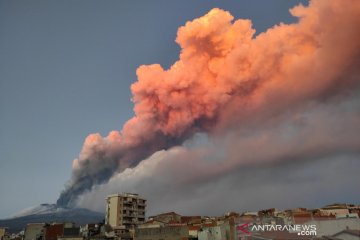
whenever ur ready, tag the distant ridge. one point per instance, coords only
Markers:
(50, 213)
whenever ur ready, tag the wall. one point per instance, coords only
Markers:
(112, 211)
(212, 233)
(168, 233)
(34, 230)
(2, 232)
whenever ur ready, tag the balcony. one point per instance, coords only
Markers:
(130, 221)
(130, 208)
(141, 203)
(130, 215)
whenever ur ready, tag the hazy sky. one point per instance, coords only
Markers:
(65, 72)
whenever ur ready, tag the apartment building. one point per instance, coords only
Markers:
(126, 210)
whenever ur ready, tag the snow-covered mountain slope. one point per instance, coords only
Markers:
(48, 213)
(41, 209)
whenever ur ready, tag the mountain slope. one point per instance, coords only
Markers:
(47, 213)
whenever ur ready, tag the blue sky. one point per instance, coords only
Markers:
(65, 71)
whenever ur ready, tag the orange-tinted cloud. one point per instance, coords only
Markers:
(225, 73)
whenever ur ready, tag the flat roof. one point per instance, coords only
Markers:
(135, 195)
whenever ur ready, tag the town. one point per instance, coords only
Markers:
(125, 219)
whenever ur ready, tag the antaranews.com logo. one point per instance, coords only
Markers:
(300, 229)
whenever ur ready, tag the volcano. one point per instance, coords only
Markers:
(47, 213)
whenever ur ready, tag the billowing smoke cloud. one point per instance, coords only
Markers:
(304, 157)
(226, 78)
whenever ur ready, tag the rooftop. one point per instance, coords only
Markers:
(133, 195)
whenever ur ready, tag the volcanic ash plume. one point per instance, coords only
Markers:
(224, 73)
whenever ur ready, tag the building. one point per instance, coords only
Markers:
(348, 234)
(277, 235)
(152, 224)
(124, 211)
(191, 220)
(34, 231)
(161, 233)
(53, 231)
(90, 229)
(331, 227)
(301, 217)
(2, 233)
(70, 238)
(169, 217)
(71, 231)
